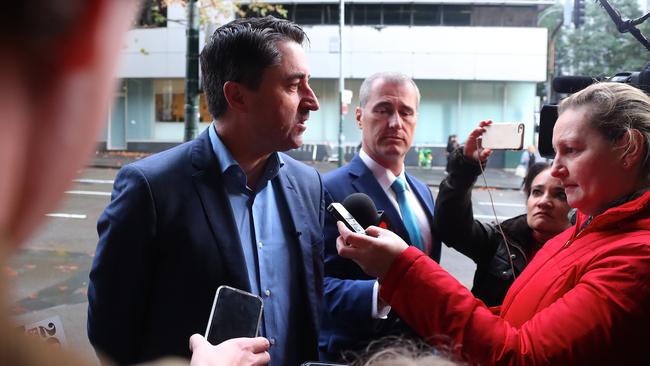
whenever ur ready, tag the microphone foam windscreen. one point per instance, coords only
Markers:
(362, 208)
(572, 84)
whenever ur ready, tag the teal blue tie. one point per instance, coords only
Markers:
(408, 217)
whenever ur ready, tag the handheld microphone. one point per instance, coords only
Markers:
(362, 208)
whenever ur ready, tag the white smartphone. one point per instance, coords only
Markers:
(235, 313)
(504, 136)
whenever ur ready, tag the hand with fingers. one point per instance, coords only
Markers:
(233, 352)
(373, 252)
(473, 149)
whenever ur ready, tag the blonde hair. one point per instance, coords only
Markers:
(615, 109)
(400, 351)
(396, 356)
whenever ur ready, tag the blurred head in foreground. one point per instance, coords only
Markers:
(57, 71)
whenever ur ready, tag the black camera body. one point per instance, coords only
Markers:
(571, 84)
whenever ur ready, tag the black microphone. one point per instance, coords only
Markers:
(572, 84)
(362, 208)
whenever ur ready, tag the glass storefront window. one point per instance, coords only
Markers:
(169, 95)
(456, 15)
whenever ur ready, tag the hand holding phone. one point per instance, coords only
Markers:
(235, 313)
(503, 136)
(236, 351)
(341, 214)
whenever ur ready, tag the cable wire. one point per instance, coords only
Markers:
(496, 219)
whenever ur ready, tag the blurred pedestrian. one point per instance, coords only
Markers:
(452, 144)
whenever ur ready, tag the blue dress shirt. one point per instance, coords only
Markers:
(270, 250)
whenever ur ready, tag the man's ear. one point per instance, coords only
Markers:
(236, 96)
(357, 115)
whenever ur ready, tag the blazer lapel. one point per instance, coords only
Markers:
(302, 231)
(210, 189)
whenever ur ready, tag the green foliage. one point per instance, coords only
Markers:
(259, 9)
(597, 48)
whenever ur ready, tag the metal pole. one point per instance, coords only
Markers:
(341, 84)
(192, 73)
(551, 63)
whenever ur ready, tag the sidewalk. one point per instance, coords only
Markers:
(496, 178)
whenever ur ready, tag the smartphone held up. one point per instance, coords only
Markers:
(504, 136)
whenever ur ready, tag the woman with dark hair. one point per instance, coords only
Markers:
(584, 298)
(498, 260)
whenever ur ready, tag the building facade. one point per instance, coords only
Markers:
(471, 60)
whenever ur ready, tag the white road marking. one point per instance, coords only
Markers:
(89, 193)
(93, 181)
(66, 215)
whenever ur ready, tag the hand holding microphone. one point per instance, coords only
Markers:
(375, 251)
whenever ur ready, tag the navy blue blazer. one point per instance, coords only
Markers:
(347, 323)
(168, 239)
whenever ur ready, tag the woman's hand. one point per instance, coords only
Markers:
(471, 151)
(233, 352)
(373, 252)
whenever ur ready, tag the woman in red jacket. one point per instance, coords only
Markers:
(585, 297)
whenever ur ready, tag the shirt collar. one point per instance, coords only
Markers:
(384, 176)
(229, 167)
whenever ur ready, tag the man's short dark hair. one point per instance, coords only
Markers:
(240, 51)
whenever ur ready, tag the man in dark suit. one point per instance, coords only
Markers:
(224, 209)
(387, 116)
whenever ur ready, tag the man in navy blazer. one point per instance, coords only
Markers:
(387, 115)
(223, 209)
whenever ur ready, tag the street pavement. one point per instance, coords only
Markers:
(49, 276)
(496, 178)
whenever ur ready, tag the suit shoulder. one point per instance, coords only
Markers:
(164, 163)
(336, 175)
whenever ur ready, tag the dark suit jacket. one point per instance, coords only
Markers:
(347, 323)
(168, 239)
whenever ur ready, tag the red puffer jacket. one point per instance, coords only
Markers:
(583, 300)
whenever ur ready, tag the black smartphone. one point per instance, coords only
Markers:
(321, 364)
(235, 313)
(341, 214)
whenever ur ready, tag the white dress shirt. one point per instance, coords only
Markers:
(385, 178)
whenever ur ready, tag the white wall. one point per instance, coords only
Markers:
(441, 53)
(157, 52)
(438, 53)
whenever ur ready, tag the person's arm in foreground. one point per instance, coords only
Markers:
(591, 323)
(453, 222)
(120, 277)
